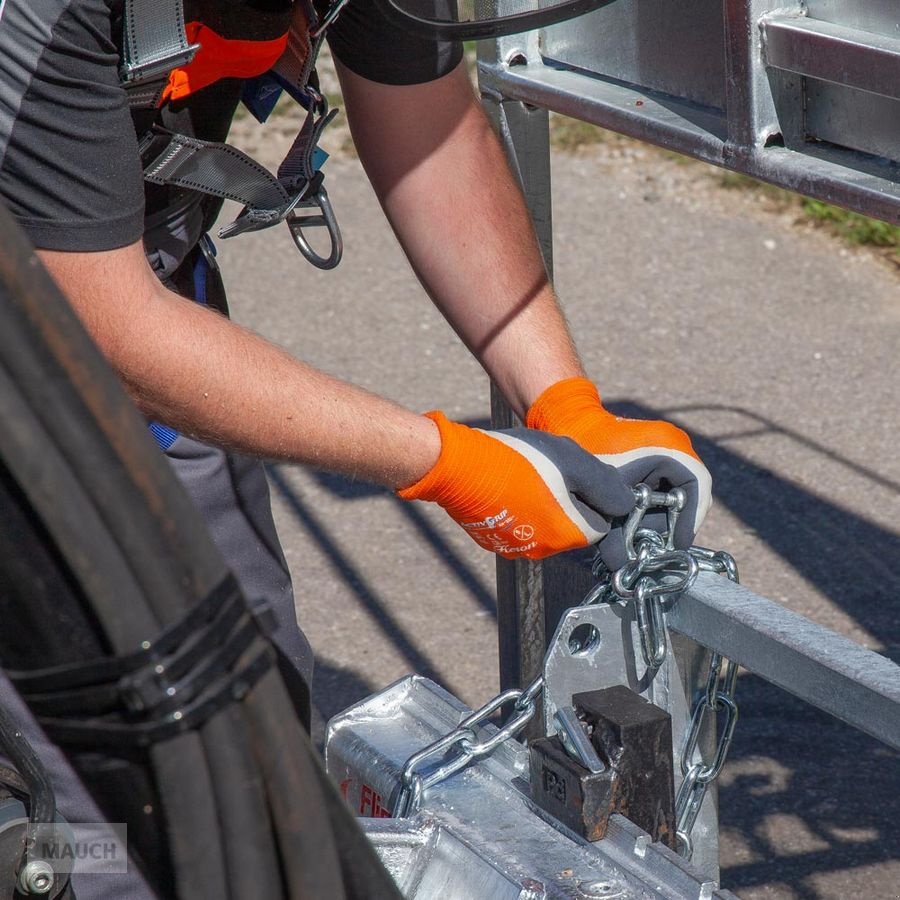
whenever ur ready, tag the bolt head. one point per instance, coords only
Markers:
(37, 877)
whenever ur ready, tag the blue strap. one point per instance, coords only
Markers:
(163, 435)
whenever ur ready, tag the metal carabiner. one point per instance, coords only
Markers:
(325, 217)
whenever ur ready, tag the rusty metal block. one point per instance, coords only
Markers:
(634, 738)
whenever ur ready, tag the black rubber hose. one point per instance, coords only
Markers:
(162, 570)
(69, 514)
(194, 567)
(308, 854)
(69, 391)
(253, 870)
(323, 850)
(123, 458)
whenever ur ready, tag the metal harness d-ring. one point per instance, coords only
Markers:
(325, 217)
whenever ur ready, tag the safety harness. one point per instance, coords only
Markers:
(167, 56)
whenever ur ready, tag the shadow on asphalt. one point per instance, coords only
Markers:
(807, 794)
(802, 777)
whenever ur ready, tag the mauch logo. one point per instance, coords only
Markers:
(82, 848)
(71, 850)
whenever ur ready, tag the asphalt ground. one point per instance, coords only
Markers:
(774, 345)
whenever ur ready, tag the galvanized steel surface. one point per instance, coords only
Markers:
(478, 836)
(614, 657)
(817, 665)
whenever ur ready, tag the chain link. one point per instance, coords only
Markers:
(654, 573)
(717, 697)
(462, 745)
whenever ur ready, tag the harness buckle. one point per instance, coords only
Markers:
(156, 66)
(256, 219)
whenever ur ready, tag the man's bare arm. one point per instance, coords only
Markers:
(206, 376)
(445, 185)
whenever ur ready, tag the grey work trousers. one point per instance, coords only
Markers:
(232, 494)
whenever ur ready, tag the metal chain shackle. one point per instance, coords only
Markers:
(654, 570)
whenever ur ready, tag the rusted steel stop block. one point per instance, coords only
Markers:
(633, 739)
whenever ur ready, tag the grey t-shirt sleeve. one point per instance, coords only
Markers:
(69, 163)
(374, 48)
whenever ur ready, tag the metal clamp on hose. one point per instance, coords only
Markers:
(211, 657)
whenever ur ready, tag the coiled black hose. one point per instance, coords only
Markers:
(138, 558)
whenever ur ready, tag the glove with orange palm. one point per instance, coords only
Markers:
(654, 452)
(522, 493)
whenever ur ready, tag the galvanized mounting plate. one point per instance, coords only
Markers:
(597, 647)
(477, 834)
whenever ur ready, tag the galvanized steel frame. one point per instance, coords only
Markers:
(799, 77)
(825, 669)
(804, 102)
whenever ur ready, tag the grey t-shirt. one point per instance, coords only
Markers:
(69, 164)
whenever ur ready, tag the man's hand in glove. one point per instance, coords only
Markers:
(654, 452)
(521, 492)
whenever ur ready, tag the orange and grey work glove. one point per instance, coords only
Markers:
(654, 452)
(522, 493)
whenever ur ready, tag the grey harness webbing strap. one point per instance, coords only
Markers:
(155, 40)
(213, 168)
(299, 58)
(224, 171)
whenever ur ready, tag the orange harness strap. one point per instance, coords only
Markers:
(218, 58)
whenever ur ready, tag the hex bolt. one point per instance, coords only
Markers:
(36, 877)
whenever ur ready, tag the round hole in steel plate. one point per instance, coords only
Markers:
(584, 639)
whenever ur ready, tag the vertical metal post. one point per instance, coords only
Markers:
(524, 133)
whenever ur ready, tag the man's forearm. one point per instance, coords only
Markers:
(444, 183)
(200, 373)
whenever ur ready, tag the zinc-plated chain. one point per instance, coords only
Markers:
(654, 571)
(718, 697)
(462, 745)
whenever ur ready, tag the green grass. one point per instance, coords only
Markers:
(571, 135)
(778, 197)
(852, 227)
